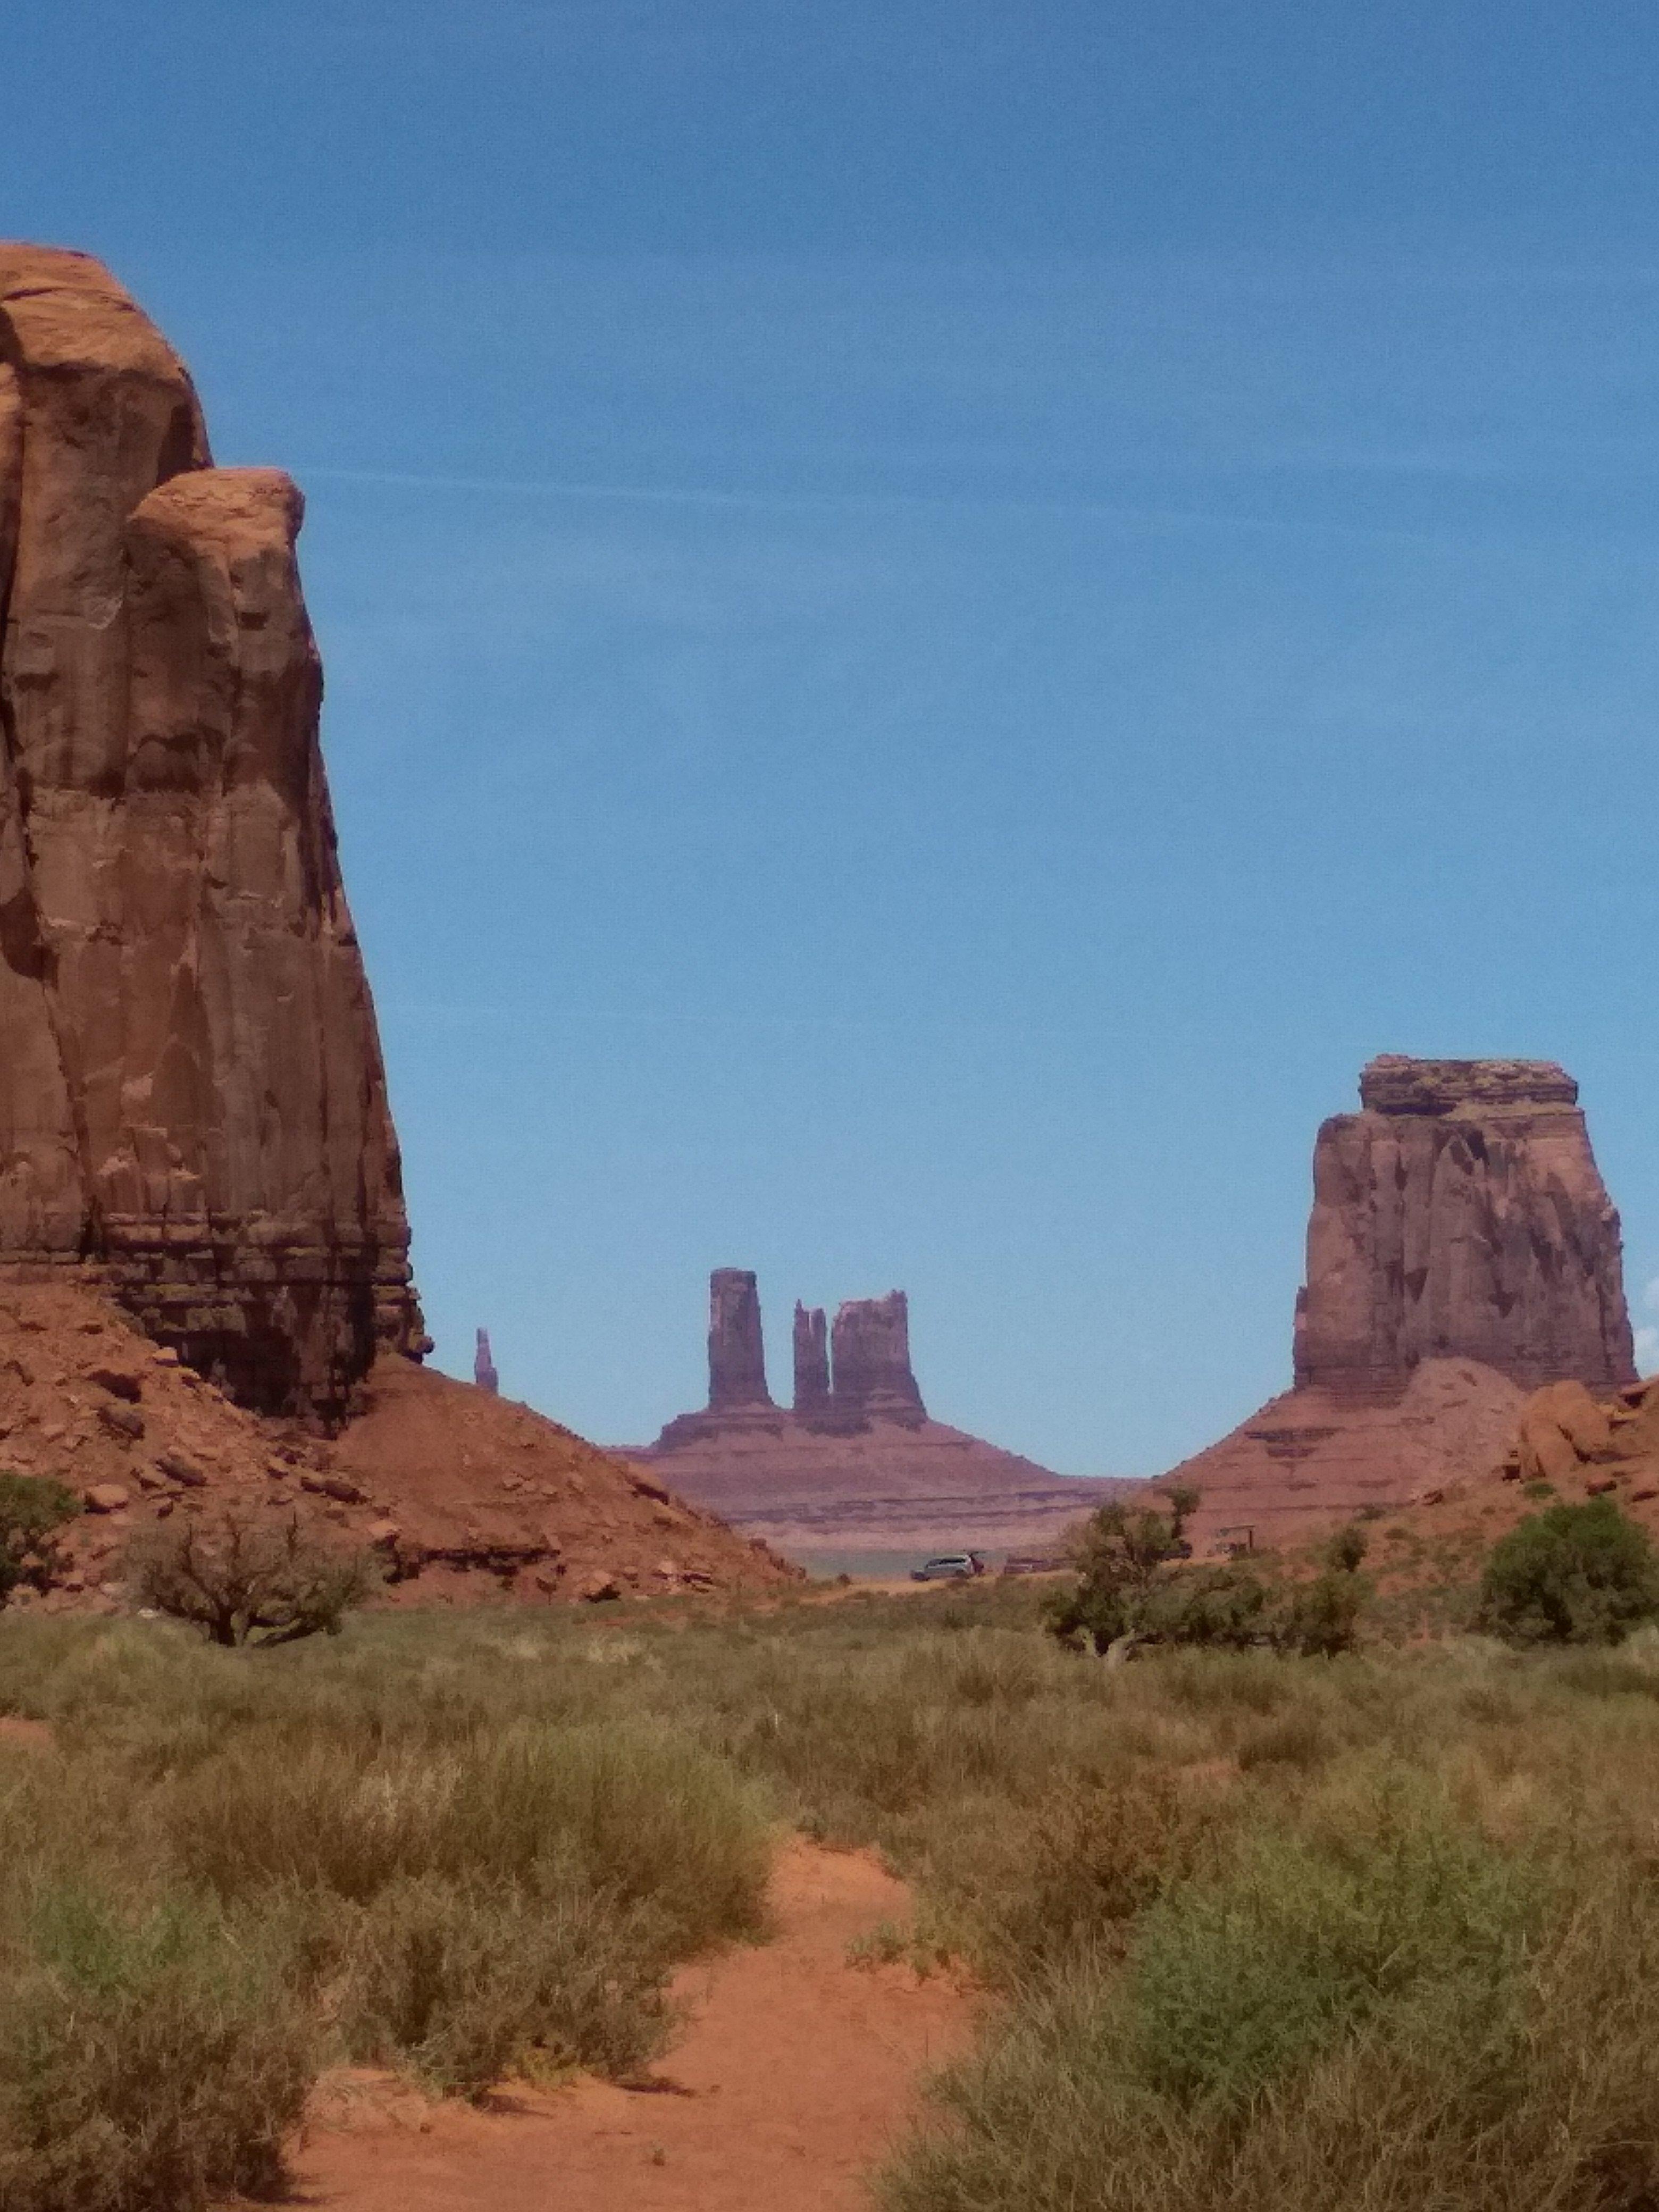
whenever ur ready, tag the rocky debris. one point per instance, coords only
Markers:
(179, 1467)
(736, 1354)
(1568, 1438)
(1460, 1214)
(1312, 1454)
(811, 1346)
(869, 1361)
(420, 1476)
(192, 1097)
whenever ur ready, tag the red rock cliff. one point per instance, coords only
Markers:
(192, 1095)
(1460, 1213)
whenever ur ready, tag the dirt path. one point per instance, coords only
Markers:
(796, 2073)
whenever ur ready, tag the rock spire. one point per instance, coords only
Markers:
(737, 1353)
(484, 1366)
(192, 1095)
(870, 1360)
(812, 1359)
(1461, 1213)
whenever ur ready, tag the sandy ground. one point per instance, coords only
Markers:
(796, 2073)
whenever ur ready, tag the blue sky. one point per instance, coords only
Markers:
(938, 618)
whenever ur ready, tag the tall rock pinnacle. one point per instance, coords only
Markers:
(484, 1366)
(812, 1359)
(1461, 1213)
(736, 1354)
(870, 1360)
(192, 1095)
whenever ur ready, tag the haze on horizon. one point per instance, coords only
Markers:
(937, 623)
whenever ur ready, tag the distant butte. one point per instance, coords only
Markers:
(858, 1463)
(1462, 1251)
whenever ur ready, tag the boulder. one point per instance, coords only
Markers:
(179, 1467)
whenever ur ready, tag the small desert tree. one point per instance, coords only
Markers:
(1575, 1574)
(33, 1511)
(1134, 1587)
(1123, 1558)
(243, 1580)
(1320, 1618)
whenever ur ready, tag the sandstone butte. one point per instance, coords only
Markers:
(857, 1462)
(195, 1136)
(1462, 1252)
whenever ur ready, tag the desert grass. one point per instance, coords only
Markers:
(1382, 1930)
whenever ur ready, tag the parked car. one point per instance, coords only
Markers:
(949, 1567)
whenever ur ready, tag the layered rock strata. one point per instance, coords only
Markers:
(192, 1094)
(1460, 1214)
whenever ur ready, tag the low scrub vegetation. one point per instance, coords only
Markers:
(34, 1511)
(1272, 1933)
(1134, 1587)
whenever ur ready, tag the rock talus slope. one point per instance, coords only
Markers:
(463, 1496)
(192, 1094)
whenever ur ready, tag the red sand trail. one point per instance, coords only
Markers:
(795, 2074)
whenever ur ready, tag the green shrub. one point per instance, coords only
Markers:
(32, 1510)
(1284, 2018)
(1575, 1574)
(1238, 1977)
(151, 2058)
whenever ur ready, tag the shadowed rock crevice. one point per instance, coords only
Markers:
(812, 1359)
